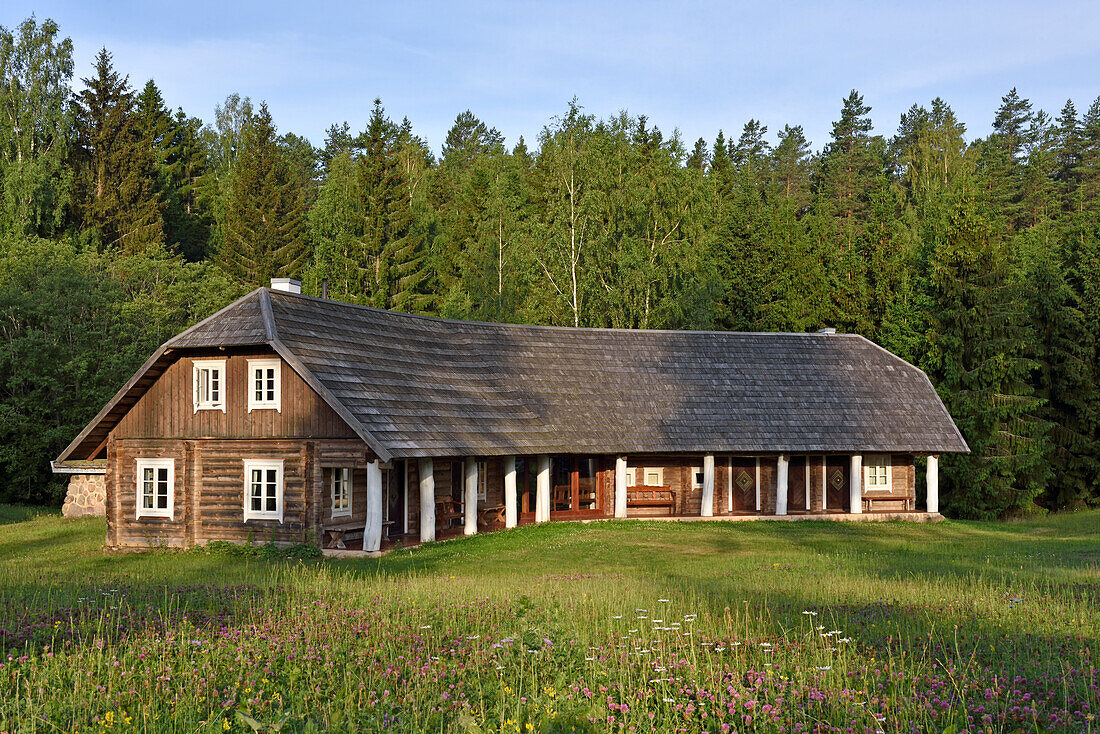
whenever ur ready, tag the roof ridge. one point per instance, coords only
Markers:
(598, 329)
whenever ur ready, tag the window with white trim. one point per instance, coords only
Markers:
(156, 480)
(340, 484)
(264, 384)
(482, 480)
(876, 472)
(209, 377)
(654, 476)
(697, 478)
(630, 476)
(263, 490)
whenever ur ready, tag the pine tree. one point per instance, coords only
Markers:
(850, 167)
(978, 360)
(265, 212)
(120, 198)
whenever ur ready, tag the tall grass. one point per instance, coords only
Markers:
(606, 627)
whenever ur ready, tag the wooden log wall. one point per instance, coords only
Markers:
(166, 410)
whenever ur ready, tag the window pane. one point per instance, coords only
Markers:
(147, 488)
(162, 488)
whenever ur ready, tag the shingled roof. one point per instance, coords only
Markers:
(421, 386)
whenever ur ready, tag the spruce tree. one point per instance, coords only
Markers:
(790, 167)
(120, 198)
(979, 362)
(697, 161)
(264, 226)
(1065, 353)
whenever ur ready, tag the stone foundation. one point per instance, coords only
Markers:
(87, 496)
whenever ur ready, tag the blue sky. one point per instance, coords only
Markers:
(694, 66)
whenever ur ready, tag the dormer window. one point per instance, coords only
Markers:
(264, 384)
(209, 378)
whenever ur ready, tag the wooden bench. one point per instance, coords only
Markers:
(905, 502)
(337, 532)
(648, 496)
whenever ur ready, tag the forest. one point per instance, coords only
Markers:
(977, 259)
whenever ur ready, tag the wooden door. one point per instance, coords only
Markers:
(796, 484)
(836, 483)
(744, 484)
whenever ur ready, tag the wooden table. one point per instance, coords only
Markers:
(491, 514)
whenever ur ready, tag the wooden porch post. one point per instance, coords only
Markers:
(706, 509)
(427, 500)
(542, 489)
(933, 498)
(781, 485)
(729, 487)
(620, 487)
(757, 484)
(372, 531)
(510, 516)
(824, 487)
(470, 501)
(855, 498)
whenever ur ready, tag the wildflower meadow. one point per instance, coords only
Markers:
(602, 627)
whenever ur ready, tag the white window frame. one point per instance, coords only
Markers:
(482, 481)
(346, 475)
(660, 471)
(265, 364)
(155, 464)
(696, 486)
(631, 476)
(873, 463)
(208, 364)
(251, 465)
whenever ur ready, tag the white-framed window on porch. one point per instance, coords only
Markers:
(209, 379)
(876, 472)
(631, 475)
(264, 384)
(340, 486)
(696, 478)
(263, 490)
(654, 476)
(482, 480)
(156, 480)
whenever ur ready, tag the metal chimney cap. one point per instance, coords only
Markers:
(289, 285)
(827, 330)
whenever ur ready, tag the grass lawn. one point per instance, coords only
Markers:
(604, 627)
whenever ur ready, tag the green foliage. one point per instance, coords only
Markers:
(35, 129)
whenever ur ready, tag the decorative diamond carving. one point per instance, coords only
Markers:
(744, 481)
(837, 479)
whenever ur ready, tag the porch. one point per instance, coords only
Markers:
(415, 501)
